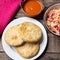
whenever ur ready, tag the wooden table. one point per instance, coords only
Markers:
(52, 51)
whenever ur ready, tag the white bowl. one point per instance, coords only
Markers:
(11, 52)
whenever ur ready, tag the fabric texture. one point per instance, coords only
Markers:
(7, 10)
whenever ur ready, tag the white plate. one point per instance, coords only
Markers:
(10, 51)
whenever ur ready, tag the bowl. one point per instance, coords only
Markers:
(55, 6)
(31, 10)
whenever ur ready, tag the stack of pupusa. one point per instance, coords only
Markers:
(25, 37)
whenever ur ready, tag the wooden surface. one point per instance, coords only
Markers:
(52, 51)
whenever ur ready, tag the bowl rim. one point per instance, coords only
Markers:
(44, 17)
(42, 7)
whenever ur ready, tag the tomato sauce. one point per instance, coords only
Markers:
(32, 7)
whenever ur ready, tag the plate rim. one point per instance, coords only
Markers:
(21, 22)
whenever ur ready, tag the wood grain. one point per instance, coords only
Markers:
(3, 56)
(48, 3)
(49, 56)
(53, 43)
(1, 48)
(46, 56)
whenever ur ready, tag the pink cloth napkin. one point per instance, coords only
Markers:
(7, 10)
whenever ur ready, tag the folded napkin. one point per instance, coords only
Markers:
(7, 10)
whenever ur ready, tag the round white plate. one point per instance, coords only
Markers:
(11, 52)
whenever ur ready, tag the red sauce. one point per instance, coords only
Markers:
(32, 7)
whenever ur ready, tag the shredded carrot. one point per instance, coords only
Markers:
(53, 21)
